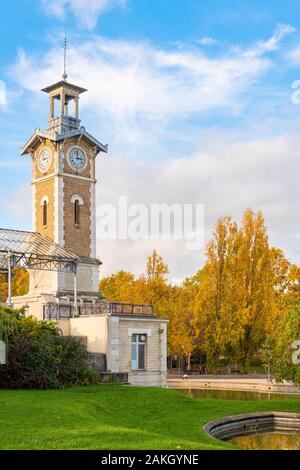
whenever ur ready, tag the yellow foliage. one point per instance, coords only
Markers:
(20, 285)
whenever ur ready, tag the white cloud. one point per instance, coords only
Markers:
(86, 12)
(273, 43)
(207, 41)
(294, 55)
(19, 202)
(130, 80)
(228, 179)
(2, 94)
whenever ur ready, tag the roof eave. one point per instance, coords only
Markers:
(25, 150)
(63, 83)
(82, 132)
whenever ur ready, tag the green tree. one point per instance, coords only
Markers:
(286, 355)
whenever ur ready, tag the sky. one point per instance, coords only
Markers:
(197, 101)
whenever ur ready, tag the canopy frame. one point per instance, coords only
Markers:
(35, 256)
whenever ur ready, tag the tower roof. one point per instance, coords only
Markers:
(64, 84)
(35, 139)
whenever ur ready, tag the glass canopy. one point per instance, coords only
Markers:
(33, 251)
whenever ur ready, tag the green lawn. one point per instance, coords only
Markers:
(112, 417)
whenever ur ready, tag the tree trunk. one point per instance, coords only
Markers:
(189, 361)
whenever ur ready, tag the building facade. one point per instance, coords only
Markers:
(130, 337)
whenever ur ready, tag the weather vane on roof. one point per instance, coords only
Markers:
(65, 75)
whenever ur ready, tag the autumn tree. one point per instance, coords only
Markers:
(257, 285)
(20, 284)
(150, 288)
(156, 268)
(241, 294)
(219, 295)
(118, 287)
(182, 340)
(292, 288)
(157, 289)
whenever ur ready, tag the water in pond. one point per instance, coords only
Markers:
(235, 395)
(270, 441)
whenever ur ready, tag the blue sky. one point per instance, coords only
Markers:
(193, 98)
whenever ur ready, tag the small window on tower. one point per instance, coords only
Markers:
(76, 202)
(77, 212)
(45, 213)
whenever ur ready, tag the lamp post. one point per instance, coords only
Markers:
(9, 274)
(75, 292)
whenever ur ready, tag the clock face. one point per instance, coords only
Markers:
(45, 159)
(77, 159)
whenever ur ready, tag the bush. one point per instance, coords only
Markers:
(89, 377)
(70, 359)
(30, 364)
(38, 357)
(288, 333)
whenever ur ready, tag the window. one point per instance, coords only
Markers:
(77, 201)
(138, 352)
(45, 213)
(77, 212)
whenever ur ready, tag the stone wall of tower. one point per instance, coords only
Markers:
(45, 189)
(77, 239)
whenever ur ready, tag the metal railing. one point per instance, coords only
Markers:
(64, 311)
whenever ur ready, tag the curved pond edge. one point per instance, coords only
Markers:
(232, 427)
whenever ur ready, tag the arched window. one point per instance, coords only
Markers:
(44, 209)
(77, 201)
(45, 213)
(77, 212)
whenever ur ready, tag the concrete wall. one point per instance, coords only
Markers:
(87, 279)
(94, 328)
(147, 379)
(33, 304)
(44, 281)
(53, 282)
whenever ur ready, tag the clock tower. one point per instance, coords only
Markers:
(61, 255)
(64, 192)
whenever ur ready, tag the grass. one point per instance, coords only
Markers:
(114, 417)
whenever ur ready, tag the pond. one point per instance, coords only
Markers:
(270, 430)
(236, 395)
(269, 441)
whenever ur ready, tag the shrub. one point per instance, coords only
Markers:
(70, 360)
(30, 364)
(89, 377)
(38, 357)
(13, 323)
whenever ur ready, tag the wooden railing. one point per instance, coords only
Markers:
(63, 311)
